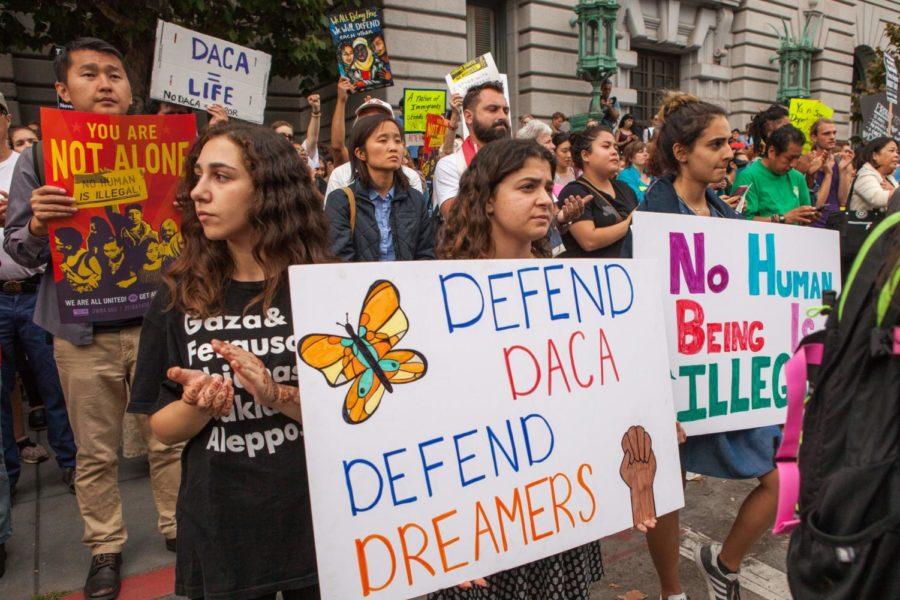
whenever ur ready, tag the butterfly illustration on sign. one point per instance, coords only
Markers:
(367, 358)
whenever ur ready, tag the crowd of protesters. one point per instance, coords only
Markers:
(255, 199)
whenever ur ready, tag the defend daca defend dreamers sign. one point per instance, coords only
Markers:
(467, 417)
(197, 70)
(737, 295)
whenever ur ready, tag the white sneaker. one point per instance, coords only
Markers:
(681, 596)
(721, 586)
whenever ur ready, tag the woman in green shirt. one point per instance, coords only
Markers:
(778, 193)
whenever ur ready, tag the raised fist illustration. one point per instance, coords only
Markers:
(638, 470)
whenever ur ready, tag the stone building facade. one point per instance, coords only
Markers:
(721, 50)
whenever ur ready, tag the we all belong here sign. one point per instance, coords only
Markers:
(465, 417)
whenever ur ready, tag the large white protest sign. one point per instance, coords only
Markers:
(198, 70)
(736, 301)
(475, 72)
(529, 412)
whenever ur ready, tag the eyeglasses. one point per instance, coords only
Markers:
(288, 136)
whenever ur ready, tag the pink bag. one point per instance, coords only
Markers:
(786, 459)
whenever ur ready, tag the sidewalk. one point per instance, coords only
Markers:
(46, 558)
(48, 562)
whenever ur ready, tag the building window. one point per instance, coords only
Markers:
(485, 30)
(655, 73)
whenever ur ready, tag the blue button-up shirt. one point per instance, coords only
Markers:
(383, 218)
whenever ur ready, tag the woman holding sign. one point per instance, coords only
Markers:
(503, 211)
(689, 154)
(244, 521)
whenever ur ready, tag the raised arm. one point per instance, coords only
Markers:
(315, 120)
(450, 135)
(338, 149)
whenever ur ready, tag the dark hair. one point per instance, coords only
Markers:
(560, 138)
(558, 114)
(62, 61)
(624, 118)
(136, 207)
(582, 140)
(285, 213)
(361, 132)
(631, 149)
(15, 128)
(781, 139)
(757, 127)
(682, 120)
(474, 92)
(467, 230)
(867, 153)
(69, 236)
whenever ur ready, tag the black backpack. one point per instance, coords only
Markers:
(847, 545)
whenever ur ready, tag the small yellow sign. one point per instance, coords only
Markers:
(804, 112)
(109, 188)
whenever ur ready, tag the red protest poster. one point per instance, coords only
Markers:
(108, 258)
(435, 130)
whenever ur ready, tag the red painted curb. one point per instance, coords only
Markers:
(143, 586)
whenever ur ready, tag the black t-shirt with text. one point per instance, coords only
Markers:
(244, 521)
(603, 210)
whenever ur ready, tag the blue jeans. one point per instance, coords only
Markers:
(16, 314)
(5, 502)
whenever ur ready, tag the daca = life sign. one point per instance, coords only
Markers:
(197, 70)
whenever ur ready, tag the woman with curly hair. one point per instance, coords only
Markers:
(216, 368)
(503, 210)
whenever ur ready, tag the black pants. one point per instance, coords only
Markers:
(310, 593)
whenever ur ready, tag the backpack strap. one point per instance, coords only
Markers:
(351, 201)
(876, 234)
(796, 371)
(37, 157)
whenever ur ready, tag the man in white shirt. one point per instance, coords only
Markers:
(311, 143)
(487, 118)
(342, 176)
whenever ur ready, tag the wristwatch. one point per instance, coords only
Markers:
(781, 218)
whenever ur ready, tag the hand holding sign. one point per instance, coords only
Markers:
(49, 202)
(217, 114)
(638, 469)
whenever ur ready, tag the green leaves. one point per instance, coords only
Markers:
(292, 31)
